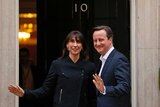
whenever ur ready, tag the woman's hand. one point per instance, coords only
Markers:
(16, 90)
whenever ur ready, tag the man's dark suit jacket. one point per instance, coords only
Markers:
(116, 77)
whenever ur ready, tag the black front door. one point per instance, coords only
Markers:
(56, 18)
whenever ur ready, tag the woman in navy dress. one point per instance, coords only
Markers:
(69, 77)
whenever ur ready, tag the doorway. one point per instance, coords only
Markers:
(57, 18)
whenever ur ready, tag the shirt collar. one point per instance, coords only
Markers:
(107, 54)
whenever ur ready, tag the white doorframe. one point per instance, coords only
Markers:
(133, 53)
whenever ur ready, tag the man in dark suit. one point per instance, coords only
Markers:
(113, 79)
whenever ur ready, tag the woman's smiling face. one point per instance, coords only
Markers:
(74, 46)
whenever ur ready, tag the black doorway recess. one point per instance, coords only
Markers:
(55, 18)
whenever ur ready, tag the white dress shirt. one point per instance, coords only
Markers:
(104, 58)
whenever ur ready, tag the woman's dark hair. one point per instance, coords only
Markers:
(79, 36)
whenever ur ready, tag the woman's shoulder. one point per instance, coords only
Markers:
(56, 64)
(89, 66)
(89, 63)
(57, 61)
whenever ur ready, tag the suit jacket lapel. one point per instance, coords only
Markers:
(107, 63)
